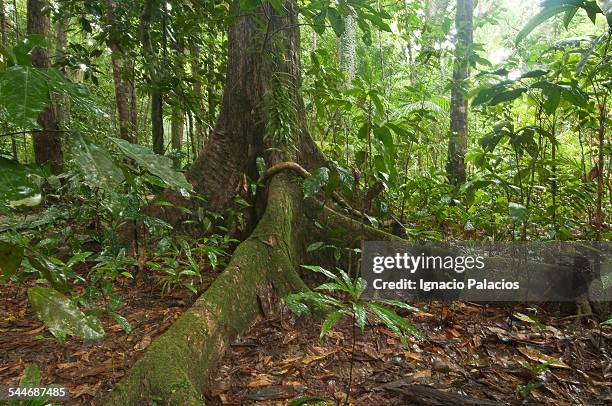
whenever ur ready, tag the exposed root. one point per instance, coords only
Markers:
(175, 367)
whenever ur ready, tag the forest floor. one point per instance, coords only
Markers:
(472, 350)
(86, 369)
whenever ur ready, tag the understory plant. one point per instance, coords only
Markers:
(345, 298)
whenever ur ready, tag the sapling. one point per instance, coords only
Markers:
(348, 300)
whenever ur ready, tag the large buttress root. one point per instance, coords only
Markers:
(175, 367)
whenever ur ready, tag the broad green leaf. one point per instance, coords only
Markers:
(518, 212)
(25, 94)
(158, 165)
(382, 314)
(21, 54)
(316, 182)
(336, 21)
(62, 317)
(319, 21)
(315, 246)
(397, 320)
(278, 6)
(49, 271)
(329, 322)
(507, 96)
(545, 14)
(318, 269)
(11, 256)
(96, 164)
(359, 312)
(529, 319)
(553, 98)
(19, 186)
(296, 305)
(536, 73)
(122, 321)
(397, 303)
(587, 53)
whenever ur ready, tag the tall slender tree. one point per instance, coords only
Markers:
(458, 140)
(154, 70)
(126, 126)
(3, 33)
(47, 140)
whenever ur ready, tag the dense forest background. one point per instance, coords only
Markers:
(142, 140)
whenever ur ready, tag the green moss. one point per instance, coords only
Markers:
(175, 367)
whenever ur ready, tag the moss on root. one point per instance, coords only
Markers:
(174, 369)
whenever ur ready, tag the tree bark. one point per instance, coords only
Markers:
(3, 32)
(196, 67)
(458, 141)
(178, 124)
(117, 61)
(157, 100)
(47, 140)
(238, 137)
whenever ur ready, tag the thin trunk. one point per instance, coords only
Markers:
(2, 24)
(457, 144)
(601, 131)
(47, 141)
(196, 67)
(178, 124)
(16, 19)
(62, 101)
(117, 62)
(154, 70)
(133, 96)
(210, 91)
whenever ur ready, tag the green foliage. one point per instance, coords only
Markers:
(97, 166)
(11, 256)
(280, 110)
(20, 184)
(62, 317)
(535, 370)
(315, 183)
(352, 304)
(157, 165)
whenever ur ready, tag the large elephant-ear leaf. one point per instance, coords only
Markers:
(62, 317)
(157, 165)
(96, 164)
(11, 256)
(19, 184)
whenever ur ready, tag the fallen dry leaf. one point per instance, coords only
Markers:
(536, 355)
(261, 380)
(425, 373)
(143, 344)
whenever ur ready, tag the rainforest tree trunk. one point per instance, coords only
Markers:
(3, 32)
(196, 67)
(458, 141)
(175, 366)
(47, 140)
(155, 75)
(178, 124)
(238, 137)
(117, 62)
